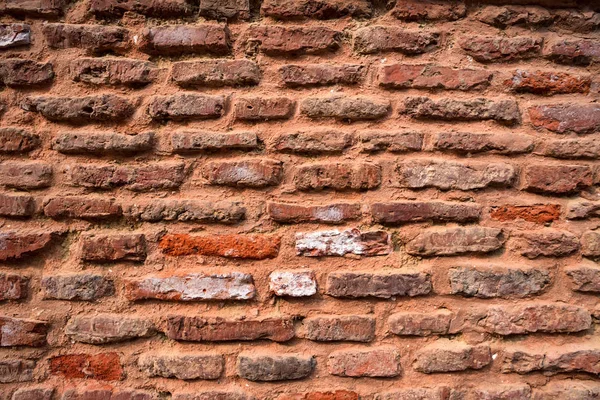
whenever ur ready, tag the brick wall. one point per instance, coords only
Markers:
(299, 200)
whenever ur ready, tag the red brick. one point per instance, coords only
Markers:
(113, 247)
(14, 35)
(429, 10)
(538, 213)
(293, 283)
(446, 355)
(25, 175)
(17, 140)
(456, 241)
(566, 117)
(448, 109)
(35, 8)
(381, 285)
(225, 9)
(421, 324)
(170, 40)
(142, 178)
(314, 142)
(92, 38)
(225, 212)
(81, 207)
(336, 213)
(331, 328)
(103, 366)
(290, 40)
(330, 395)
(321, 74)
(263, 108)
(103, 143)
(19, 73)
(493, 281)
(407, 76)
(585, 277)
(274, 367)
(33, 393)
(190, 366)
(13, 287)
(576, 20)
(338, 176)
(84, 287)
(18, 244)
(187, 106)
(336, 243)
(416, 211)
(377, 362)
(375, 141)
(16, 206)
(152, 8)
(574, 51)
(501, 49)
(495, 143)
(107, 328)
(14, 370)
(252, 173)
(572, 148)
(572, 357)
(547, 243)
(194, 141)
(193, 287)
(315, 9)
(504, 16)
(79, 110)
(216, 73)
(113, 71)
(547, 83)
(104, 392)
(567, 390)
(378, 39)
(347, 109)
(199, 329)
(557, 179)
(22, 332)
(256, 247)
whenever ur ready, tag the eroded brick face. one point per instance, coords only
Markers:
(299, 199)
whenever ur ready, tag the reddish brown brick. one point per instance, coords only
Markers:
(574, 51)
(421, 324)
(573, 357)
(274, 367)
(152, 8)
(471, 143)
(421, 393)
(79, 110)
(448, 109)
(381, 285)
(213, 394)
(547, 243)
(102, 366)
(342, 108)
(187, 106)
(446, 355)
(501, 49)
(14, 35)
(556, 179)
(26, 175)
(290, 40)
(590, 244)
(113, 71)
(34, 393)
(194, 141)
(377, 362)
(321, 74)
(263, 108)
(547, 83)
(19, 73)
(113, 247)
(338, 176)
(216, 73)
(456, 241)
(415, 211)
(13, 287)
(331, 328)
(16, 370)
(378, 39)
(172, 40)
(22, 332)
(16, 206)
(569, 389)
(82, 392)
(583, 209)
(107, 328)
(429, 10)
(49, 9)
(83, 287)
(92, 38)
(577, 21)
(336, 213)
(253, 173)
(315, 9)
(513, 392)
(229, 10)
(572, 148)
(256, 247)
(314, 142)
(225, 212)
(185, 366)
(400, 142)
(17, 140)
(504, 16)
(18, 244)
(330, 395)
(585, 277)
(103, 143)
(407, 76)
(566, 117)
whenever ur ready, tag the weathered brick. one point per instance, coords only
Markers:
(577, 21)
(583, 209)
(263, 108)
(566, 117)
(375, 141)
(14, 35)
(399, 212)
(557, 179)
(354, 108)
(313, 142)
(538, 213)
(92, 38)
(14, 370)
(107, 328)
(171, 40)
(572, 148)
(429, 10)
(338, 176)
(22, 243)
(590, 244)
(496, 143)
(316, 9)
(499, 392)
(378, 39)
(331, 328)
(253, 173)
(329, 395)
(377, 362)
(501, 49)
(81, 207)
(83, 287)
(321, 74)
(113, 247)
(274, 367)
(80, 110)
(17, 140)
(573, 357)
(22, 332)
(256, 247)
(421, 393)
(49, 9)
(194, 141)
(102, 366)
(33, 393)
(225, 212)
(293, 283)
(585, 277)
(216, 73)
(567, 390)
(225, 9)
(504, 16)
(152, 8)
(142, 178)
(534, 317)
(25, 175)
(408, 76)
(113, 71)
(16, 72)
(207, 366)
(448, 109)
(490, 281)
(421, 324)
(336, 243)
(574, 51)
(336, 213)
(192, 287)
(187, 106)
(547, 83)
(446, 355)
(16, 206)
(456, 241)
(200, 329)
(105, 393)
(101, 143)
(547, 243)
(13, 287)
(278, 40)
(213, 395)
(382, 285)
